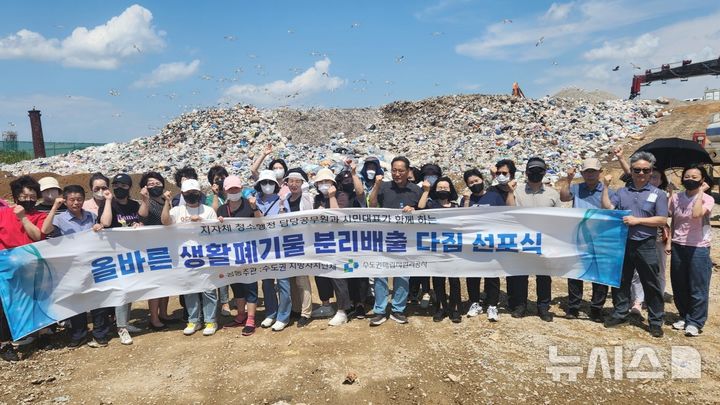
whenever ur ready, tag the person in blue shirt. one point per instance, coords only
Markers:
(477, 196)
(649, 210)
(76, 220)
(587, 194)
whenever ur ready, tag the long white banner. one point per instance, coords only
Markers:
(55, 279)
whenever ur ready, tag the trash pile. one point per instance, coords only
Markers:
(456, 132)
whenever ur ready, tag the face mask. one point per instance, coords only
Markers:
(534, 177)
(50, 194)
(268, 189)
(431, 179)
(99, 195)
(502, 179)
(443, 194)
(121, 193)
(370, 174)
(192, 198)
(348, 187)
(234, 197)
(324, 188)
(305, 187)
(27, 205)
(279, 173)
(477, 188)
(691, 185)
(219, 183)
(156, 191)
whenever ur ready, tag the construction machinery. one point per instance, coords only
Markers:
(682, 71)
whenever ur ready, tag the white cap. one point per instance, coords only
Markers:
(189, 185)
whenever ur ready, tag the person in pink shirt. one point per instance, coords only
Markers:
(690, 264)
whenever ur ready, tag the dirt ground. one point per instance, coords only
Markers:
(421, 362)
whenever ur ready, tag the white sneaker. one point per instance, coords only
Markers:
(190, 328)
(267, 322)
(475, 310)
(278, 326)
(339, 318)
(492, 314)
(679, 325)
(323, 311)
(691, 331)
(125, 337)
(210, 329)
(425, 300)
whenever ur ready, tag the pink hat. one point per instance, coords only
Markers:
(232, 181)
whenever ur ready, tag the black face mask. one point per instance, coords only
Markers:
(348, 187)
(219, 183)
(156, 191)
(691, 185)
(477, 188)
(121, 193)
(535, 177)
(27, 205)
(192, 198)
(442, 195)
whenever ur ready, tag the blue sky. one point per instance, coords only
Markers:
(112, 71)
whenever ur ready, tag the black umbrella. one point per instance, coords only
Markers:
(676, 152)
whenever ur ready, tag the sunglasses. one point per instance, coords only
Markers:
(267, 182)
(643, 171)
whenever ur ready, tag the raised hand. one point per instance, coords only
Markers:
(332, 191)
(108, 195)
(144, 193)
(426, 185)
(19, 211)
(570, 173)
(607, 179)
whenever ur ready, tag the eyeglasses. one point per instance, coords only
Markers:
(642, 170)
(266, 182)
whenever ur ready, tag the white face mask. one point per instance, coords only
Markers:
(268, 189)
(234, 197)
(324, 188)
(99, 195)
(305, 187)
(503, 179)
(370, 174)
(50, 194)
(279, 173)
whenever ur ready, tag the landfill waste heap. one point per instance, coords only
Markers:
(456, 132)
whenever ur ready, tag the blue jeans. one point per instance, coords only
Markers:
(121, 315)
(247, 292)
(690, 270)
(280, 311)
(401, 286)
(224, 293)
(209, 306)
(101, 324)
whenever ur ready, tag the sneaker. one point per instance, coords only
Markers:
(278, 326)
(237, 322)
(191, 328)
(425, 301)
(636, 309)
(613, 321)
(8, 353)
(596, 315)
(339, 318)
(303, 322)
(572, 313)
(46, 341)
(125, 337)
(248, 330)
(323, 311)
(75, 343)
(692, 331)
(97, 343)
(679, 325)
(267, 322)
(210, 329)
(132, 329)
(439, 315)
(492, 314)
(359, 312)
(475, 310)
(545, 315)
(519, 312)
(455, 317)
(225, 310)
(656, 331)
(399, 317)
(378, 320)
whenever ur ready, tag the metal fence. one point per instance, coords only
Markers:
(51, 148)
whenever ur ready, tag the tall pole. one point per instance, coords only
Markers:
(37, 133)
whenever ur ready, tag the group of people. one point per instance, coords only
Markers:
(43, 210)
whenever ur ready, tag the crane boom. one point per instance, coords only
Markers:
(687, 69)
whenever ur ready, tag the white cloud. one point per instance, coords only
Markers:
(581, 22)
(314, 80)
(558, 12)
(103, 47)
(641, 47)
(169, 72)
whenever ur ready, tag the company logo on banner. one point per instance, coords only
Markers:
(55, 279)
